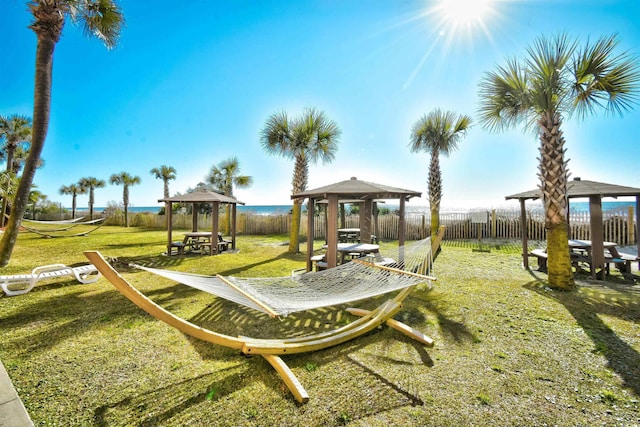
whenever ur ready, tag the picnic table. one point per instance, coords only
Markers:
(199, 241)
(582, 252)
(352, 235)
(357, 250)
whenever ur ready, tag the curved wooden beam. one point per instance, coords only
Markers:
(155, 310)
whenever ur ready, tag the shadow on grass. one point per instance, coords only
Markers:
(155, 407)
(66, 316)
(587, 306)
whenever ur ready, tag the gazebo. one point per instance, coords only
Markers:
(594, 191)
(202, 197)
(351, 190)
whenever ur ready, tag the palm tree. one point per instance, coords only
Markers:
(20, 156)
(73, 190)
(126, 181)
(166, 173)
(89, 184)
(35, 196)
(223, 177)
(308, 138)
(558, 78)
(14, 129)
(102, 19)
(437, 133)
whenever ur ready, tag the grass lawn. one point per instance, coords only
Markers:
(509, 351)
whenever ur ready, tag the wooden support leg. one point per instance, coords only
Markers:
(399, 326)
(289, 378)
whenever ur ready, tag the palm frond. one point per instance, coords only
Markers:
(603, 79)
(440, 131)
(100, 18)
(505, 96)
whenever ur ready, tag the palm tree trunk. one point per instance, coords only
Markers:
(125, 201)
(300, 174)
(435, 191)
(40, 125)
(553, 177)
(166, 188)
(294, 236)
(91, 203)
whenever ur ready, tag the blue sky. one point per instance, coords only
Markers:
(192, 83)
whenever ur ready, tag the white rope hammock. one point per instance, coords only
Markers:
(62, 228)
(353, 281)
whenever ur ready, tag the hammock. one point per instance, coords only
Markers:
(49, 229)
(280, 296)
(355, 280)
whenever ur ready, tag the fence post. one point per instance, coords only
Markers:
(493, 224)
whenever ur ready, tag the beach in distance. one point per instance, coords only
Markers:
(417, 209)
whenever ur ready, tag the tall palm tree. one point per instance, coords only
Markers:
(102, 19)
(90, 184)
(558, 77)
(224, 177)
(73, 190)
(126, 180)
(165, 173)
(307, 138)
(437, 133)
(14, 130)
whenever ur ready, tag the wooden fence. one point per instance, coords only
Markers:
(619, 226)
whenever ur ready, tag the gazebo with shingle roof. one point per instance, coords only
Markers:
(594, 191)
(352, 189)
(202, 197)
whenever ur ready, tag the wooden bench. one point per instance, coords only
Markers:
(223, 245)
(623, 262)
(319, 262)
(179, 246)
(541, 254)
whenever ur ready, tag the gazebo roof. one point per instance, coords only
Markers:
(584, 188)
(358, 190)
(202, 197)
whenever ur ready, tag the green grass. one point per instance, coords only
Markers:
(509, 351)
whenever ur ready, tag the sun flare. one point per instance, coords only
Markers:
(463, 14)
(464, 11)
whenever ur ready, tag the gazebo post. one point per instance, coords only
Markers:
(234, 213)
(365, 221)
(376, 223)
(215, 208)
(332, 230)
(401, 223)
(310, 231)
(169, 214)
(637, 233)
(597, 235)
(524, 231)
(194, 217)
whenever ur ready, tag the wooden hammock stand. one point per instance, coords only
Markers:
(271, 349)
